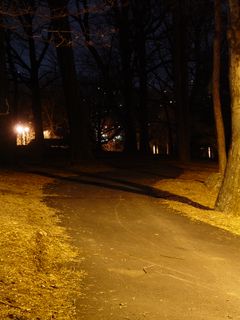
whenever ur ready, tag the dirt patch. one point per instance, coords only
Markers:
(38, 280)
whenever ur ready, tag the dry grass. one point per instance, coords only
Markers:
(36, 279)
(192, 185)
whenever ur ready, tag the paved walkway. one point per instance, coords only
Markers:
(142, 260)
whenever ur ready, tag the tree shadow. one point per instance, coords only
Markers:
(164, 171)
(103, 181)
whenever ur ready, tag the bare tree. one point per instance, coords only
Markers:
(26, 52)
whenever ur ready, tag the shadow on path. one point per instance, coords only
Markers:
(155, 171)
(120, 184)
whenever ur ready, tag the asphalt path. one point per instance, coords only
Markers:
(143, 261)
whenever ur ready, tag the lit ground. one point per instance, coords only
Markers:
(143, 260)
(38, 274)
(199, 185)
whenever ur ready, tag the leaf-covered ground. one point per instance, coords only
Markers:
(38, 280)
(38, 277)
(201, 185)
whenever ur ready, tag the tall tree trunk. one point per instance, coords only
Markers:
(122, 17)
(78, 113)
(7, 137)
(36, 95)
(27, 24)
(14, 74)
(169, 142)
(229, 195)
(140, 38)
(222, 158)
(143, 96)
(181, 80)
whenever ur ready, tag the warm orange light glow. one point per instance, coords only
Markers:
(23, 134)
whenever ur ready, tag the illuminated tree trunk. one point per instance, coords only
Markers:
(222, 158)
(229, 196)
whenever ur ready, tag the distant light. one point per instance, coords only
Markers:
(23, 132)
(167, 149)
(155, 149)
(47, 134)
(209, 149)
(19, 129)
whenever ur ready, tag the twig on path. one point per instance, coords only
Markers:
(148, 267)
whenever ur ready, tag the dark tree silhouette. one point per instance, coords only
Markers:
(180, 60)
(35, 62)
(27, 24)
(7, 138)
(141, 11)
(78, 113)
(122, 16)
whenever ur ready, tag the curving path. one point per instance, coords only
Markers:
(142, 260)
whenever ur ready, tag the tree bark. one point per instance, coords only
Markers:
(36, 95)
(78, 113)
(27, 25)
(222, 157)
(122, 17)
(7, 136)
(181, 80)
(229, 195)
(140, 38)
